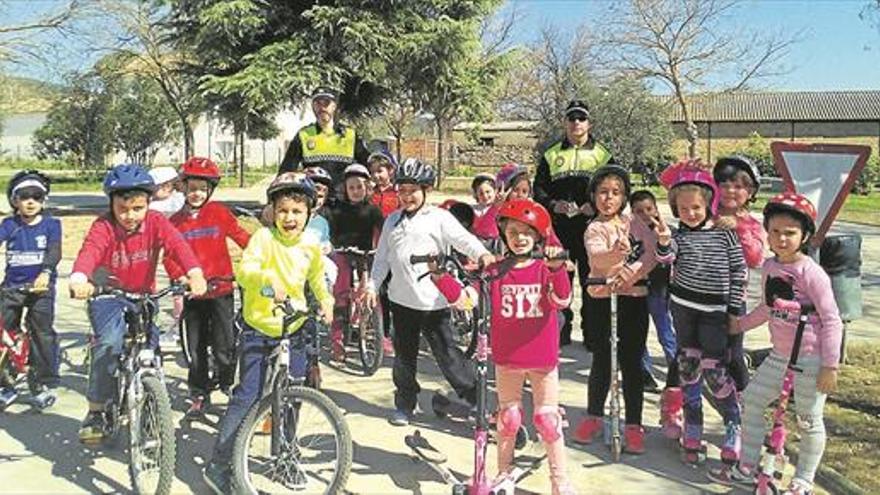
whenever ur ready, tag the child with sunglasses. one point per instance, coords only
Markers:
(33, 250)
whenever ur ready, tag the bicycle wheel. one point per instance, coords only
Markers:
(370, 340)
(313, 454)
(152, 442)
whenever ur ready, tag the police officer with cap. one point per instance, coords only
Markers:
(326, 143)
(562, 182)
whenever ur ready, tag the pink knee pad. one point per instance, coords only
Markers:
(548, 422)
(509, 420)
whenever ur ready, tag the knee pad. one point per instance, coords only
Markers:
(548, 423)
(719, 382)
(509, 420)
(689, 365)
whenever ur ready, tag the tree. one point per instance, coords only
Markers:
(270, 54)
(18, 40)
(559, 67)
(76, 128)
(146, 48)
(141, 117)
(685, 44)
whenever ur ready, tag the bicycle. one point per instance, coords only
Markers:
(362, 324)
(15, 354)
(293, 425)
(141, 396)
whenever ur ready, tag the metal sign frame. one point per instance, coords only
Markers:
(861, 154)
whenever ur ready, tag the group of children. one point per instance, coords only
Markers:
(632, 251)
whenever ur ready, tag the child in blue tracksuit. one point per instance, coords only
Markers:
(33, 250)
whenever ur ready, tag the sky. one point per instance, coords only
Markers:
(837, 49)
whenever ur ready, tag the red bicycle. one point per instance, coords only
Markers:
(14, 354)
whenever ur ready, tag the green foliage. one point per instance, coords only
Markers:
(870, 176)
(76, 129)
(757, 149)
(268, 54)
(102, 111)
(141, 117)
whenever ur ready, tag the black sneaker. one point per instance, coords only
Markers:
(219, 478)
(94, 427)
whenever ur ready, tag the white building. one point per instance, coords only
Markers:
(211, 139)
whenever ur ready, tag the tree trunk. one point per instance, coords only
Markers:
(440, 136)
(188, 139)
(241, 158)
(399, 141)
(690, 127)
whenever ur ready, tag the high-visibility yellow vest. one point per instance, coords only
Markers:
(320, 147)
(575, 161)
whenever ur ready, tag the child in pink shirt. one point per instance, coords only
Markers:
(619, 249)
(524, 333)
(738, 181)
(790, 275)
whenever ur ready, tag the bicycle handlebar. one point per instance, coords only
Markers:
(23, 289)
(440, 258)
(174, 288)
(793, 305)
(355, 251)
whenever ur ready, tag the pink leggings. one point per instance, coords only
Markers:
(545, 397)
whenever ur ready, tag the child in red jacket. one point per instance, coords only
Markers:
(208, 319)
(122, 249)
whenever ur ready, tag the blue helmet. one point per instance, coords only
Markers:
(128, 177)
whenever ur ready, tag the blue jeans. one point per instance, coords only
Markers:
(658, 307)
(254, 348)
(108, 318)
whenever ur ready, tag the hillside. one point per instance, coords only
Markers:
(23, 95)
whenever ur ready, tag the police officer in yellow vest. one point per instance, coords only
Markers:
(326, 143)
(562, 182)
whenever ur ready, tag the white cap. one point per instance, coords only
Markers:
(162, 175)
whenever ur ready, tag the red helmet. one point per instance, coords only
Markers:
(200, 168)
(528, 212)
(795, 204)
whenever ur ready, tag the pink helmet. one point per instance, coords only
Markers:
(509, 174)
(689, 172)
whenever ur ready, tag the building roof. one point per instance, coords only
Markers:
(780, 106)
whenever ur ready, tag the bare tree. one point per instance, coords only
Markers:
(148, 50)
(685, 44)
(20, 40)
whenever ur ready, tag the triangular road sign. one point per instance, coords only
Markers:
(824, 173)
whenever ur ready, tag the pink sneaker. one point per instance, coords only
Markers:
(587, 429)
(634, 436)
(387, 346)
(671, 418)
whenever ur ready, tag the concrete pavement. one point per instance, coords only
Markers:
(39, 453)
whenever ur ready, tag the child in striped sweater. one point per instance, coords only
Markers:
(706, 293)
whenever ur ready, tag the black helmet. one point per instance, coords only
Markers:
(726, 167)
(605, 171)
(27, 178)
(414, 171)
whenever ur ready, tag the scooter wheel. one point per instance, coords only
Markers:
(439, 403)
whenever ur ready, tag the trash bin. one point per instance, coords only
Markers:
(841, 257)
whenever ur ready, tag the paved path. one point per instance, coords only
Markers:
(39, 453)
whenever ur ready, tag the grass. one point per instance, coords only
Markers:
(856, 208)
(852, 418)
